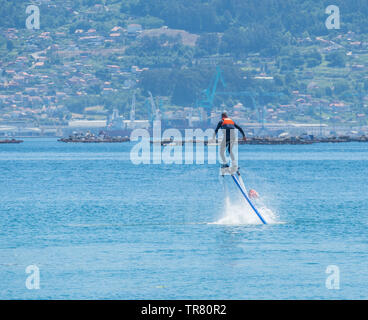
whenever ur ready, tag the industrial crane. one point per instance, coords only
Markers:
(208, 95)
(155, 111)
(132, 110)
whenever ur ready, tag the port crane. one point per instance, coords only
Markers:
(152, 108)
(155, 111)
(132, 110)
(208, 95)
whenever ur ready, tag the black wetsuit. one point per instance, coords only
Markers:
(228, 127)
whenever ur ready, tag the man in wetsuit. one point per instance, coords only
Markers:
(228, 126)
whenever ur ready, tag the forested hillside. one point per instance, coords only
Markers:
(256, 25)
(260, 45)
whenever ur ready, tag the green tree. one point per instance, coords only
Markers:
(103, 74)
(336, 59)
(341, 86)
(311, 63)
(209, 43)
(9, 45)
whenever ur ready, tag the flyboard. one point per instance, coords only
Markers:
(235, 175)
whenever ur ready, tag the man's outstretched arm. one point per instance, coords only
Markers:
(240, 129)
(217, 129)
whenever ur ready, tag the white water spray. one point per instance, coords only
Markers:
(238, 212)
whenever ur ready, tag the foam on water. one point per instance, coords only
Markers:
(239, 213)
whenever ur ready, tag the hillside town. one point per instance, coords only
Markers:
(46, 73)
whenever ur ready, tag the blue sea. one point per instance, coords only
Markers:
(99, 227)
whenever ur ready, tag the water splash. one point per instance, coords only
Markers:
(239, 213)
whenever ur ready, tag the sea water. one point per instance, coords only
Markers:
(97, 226)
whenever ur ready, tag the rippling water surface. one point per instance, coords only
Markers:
(98, 226)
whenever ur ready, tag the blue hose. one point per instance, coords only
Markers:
(246, 198)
